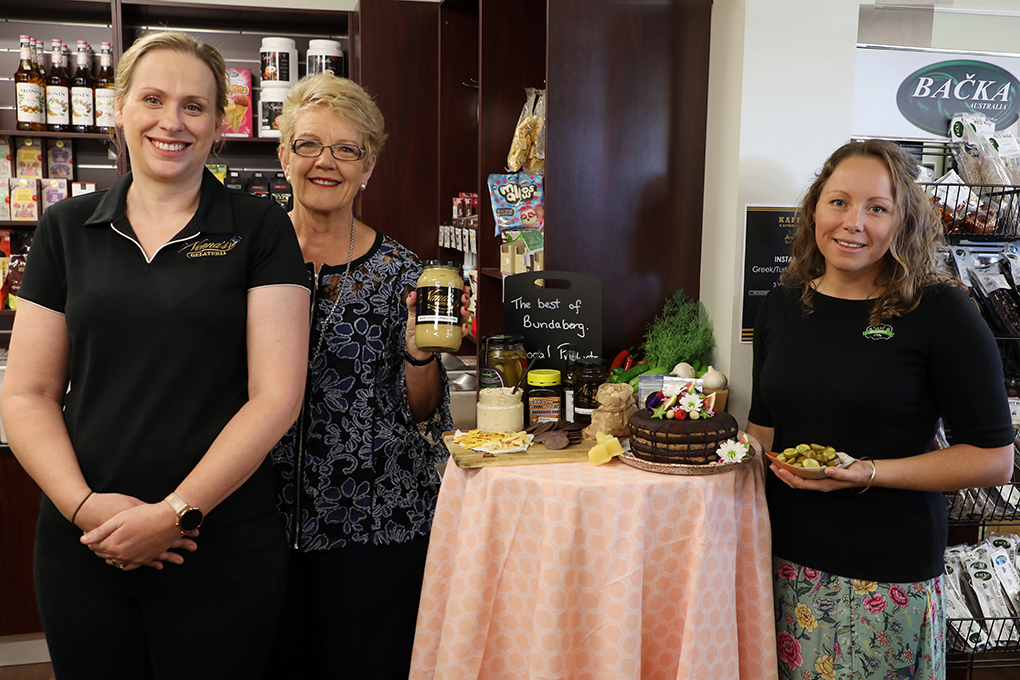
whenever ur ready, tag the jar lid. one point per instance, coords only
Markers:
(503, 339)
(543, 376)
(443, 263)
(272, 41)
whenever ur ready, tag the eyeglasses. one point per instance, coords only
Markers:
(341, 151)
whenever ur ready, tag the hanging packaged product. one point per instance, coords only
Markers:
(237, 116)
(527, 150)
(279, 61)
(324, 55)
(271, 107)
(517, 202)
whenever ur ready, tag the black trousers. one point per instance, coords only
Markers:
(350, 613)
(211, 617)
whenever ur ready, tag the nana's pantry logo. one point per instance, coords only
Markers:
(930, 96)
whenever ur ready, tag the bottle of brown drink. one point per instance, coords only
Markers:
(40, 58)
(30, 112)
(58, 92)
(105, 123)
(83, 97)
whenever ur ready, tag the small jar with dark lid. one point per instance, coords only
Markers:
(544, 398)
(588, 375)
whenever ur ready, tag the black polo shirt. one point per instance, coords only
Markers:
(158, 360)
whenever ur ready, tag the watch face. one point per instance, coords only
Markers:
(191, 519)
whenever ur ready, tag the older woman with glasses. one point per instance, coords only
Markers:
(356, 474)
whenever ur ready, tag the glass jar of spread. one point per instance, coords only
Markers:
(437, 325)
(500, 409)
(502, 361)
(588, 375)
(544, 397)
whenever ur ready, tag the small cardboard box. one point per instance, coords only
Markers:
(6, 170)
(5, 200)
(79, 188)
(59, 159)
(237, 116)
(53, 191)
(29, 156)
(511, 257)
(24, 199)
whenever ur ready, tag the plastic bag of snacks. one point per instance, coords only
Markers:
(527, 150)
(517, 202)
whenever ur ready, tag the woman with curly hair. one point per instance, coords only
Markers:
(861, 348)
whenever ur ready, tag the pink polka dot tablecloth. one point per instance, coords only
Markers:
(567, 571)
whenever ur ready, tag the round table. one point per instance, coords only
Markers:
(573, 571)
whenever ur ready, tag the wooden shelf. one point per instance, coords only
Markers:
(18, 224)
(57, 135)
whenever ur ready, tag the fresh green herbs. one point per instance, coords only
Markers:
(681, 332)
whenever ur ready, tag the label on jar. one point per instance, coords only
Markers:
(584, 398)
(318, 63)
(490, 376)
(543, 409)
(439, 305)
(269, 111)
(276, 66)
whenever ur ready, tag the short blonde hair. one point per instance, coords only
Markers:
(343, 97)
(174, 42)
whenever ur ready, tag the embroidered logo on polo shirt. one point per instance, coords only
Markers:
(206, 248)
(883, 332)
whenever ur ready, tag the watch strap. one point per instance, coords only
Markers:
(418, 362)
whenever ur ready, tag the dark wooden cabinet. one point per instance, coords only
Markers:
(19, 510)
(627, 91)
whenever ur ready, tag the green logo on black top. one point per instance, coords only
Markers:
(883, 332)
(930, 96)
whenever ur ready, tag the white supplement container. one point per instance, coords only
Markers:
(271, 99)
(324, 55)
(499, 410)
(279, 60)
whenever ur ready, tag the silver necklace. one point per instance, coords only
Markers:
(340, 295)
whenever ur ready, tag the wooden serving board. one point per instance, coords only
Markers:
(537, 454)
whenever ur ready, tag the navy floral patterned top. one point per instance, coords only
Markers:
(365, 470)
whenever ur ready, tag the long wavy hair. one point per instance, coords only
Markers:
(910, 263)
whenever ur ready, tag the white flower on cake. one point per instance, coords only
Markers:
(732, 451)
(691, 403)
(671, 390)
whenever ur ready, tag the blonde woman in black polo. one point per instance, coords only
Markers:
(157, 355)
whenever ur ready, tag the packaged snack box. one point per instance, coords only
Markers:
(5, 200)
(24, 199)
(29, 157)
(237, 117)
(59, 159)
(6, 171)
(53, 190)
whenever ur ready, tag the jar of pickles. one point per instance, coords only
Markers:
(502, 361)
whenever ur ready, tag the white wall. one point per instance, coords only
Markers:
(780, 99)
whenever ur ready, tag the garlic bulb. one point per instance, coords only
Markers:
(684, 370)
(713, 380)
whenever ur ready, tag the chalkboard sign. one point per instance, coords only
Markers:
(564, 308)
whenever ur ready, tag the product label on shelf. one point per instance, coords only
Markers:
(30, 103)
(104, 107)
(58, 105)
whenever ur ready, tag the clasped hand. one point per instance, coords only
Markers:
(129, 533)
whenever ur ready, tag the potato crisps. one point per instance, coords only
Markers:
(493, 442)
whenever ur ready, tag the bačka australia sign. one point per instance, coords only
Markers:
(913, 94)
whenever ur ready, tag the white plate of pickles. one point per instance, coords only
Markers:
(809, 460)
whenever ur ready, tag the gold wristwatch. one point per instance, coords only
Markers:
(189, 517)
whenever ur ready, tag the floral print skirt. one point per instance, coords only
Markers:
(829, 627)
